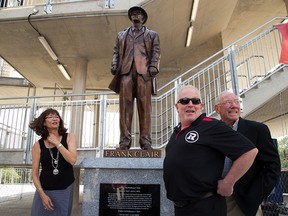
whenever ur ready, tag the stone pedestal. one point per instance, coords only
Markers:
(140, 171)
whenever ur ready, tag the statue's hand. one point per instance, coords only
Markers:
(113, 69)
(153, 71)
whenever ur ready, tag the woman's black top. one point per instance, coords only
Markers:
(65, 177)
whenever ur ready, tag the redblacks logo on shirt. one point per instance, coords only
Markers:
(191, 136)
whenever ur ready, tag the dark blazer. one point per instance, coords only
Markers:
(148, 51)
(264, 173)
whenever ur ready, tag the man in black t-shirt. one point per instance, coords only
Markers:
(195, 158)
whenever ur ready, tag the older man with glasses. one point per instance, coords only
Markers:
(259, 181)
(195, 157)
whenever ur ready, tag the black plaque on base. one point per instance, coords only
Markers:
(129, 200)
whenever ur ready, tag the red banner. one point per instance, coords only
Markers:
(283, 29)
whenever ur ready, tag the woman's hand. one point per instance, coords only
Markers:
(53, 140)
(46, 201)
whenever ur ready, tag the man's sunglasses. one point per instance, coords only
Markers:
(185, 101)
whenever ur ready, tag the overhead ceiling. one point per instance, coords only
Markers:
(90, 35)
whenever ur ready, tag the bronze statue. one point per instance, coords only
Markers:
(135, 64)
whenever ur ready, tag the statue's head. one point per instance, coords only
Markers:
(137, 15)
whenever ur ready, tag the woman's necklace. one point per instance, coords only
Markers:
(55, 162)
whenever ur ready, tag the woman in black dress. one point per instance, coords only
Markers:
(56, 153)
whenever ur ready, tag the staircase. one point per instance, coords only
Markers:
(264, 90)
(243, 68)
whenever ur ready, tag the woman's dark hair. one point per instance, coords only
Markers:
(40, 129)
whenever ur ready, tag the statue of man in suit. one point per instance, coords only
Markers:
(135, 64)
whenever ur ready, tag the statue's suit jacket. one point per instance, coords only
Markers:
(145, 53)
(264, 173)
(151, 49)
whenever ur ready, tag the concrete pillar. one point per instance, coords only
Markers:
(79, 87)
(79, 77)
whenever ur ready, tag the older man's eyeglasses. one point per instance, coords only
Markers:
(185, 101)
(231, 102)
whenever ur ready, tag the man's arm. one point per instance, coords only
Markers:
(155, 50)
(238, 169)
(115, 58)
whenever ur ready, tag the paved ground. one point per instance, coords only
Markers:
(21, 206)
(16, 205)
(18, 201)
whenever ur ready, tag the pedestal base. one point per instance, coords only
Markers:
(133, 172)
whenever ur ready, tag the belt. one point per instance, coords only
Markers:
(184, 203)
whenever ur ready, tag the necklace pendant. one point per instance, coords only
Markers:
(55, 161)
(55, 171)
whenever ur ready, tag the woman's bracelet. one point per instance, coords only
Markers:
(39, 189)
(59, 146)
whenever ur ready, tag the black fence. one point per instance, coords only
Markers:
(275, 204)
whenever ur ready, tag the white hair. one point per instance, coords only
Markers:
(188, 87)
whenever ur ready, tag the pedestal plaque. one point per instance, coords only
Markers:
(129, 200)
(133, 153)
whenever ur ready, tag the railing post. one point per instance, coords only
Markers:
(96, 122)
(28, 150)
(177, 84)
(102, 123)
(233, 69)
(76, 124)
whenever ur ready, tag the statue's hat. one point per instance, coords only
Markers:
(138, 8)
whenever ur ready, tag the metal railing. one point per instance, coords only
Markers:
(237, 68)
(15, 175)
